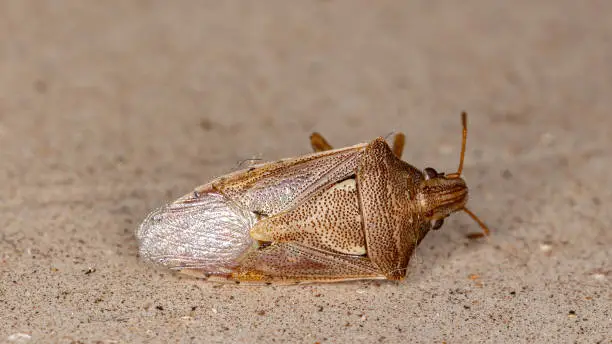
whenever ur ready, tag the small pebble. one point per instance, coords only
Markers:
(545, 247)
(599, 276)
(19, 338)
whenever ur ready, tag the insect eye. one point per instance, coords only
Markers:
(436, 224)
(430, 173)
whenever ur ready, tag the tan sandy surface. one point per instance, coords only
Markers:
(111, 108)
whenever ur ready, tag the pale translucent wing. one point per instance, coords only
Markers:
(392, 226)
(274, 187)
(209, 233)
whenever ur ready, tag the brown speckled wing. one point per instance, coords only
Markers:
(274, 187)
(295, 263)
(386, 187)
(329, 220)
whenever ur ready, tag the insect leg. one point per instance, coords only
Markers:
(319, 143)
(398, 144)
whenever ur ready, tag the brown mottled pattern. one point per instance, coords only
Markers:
(392, 225)
(294, 262)
(329, 220)
(274, 187)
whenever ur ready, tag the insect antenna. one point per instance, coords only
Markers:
(485, 229)
(457, 174)
(463, 144)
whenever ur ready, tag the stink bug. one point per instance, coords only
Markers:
(333, 215)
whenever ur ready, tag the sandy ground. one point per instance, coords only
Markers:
(109, 109)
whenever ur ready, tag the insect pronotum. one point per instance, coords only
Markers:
(337, 214)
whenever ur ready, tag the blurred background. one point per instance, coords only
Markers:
(109, 109)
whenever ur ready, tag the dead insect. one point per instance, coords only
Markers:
(334, 215)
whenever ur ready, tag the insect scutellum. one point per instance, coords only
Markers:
(443, 194)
